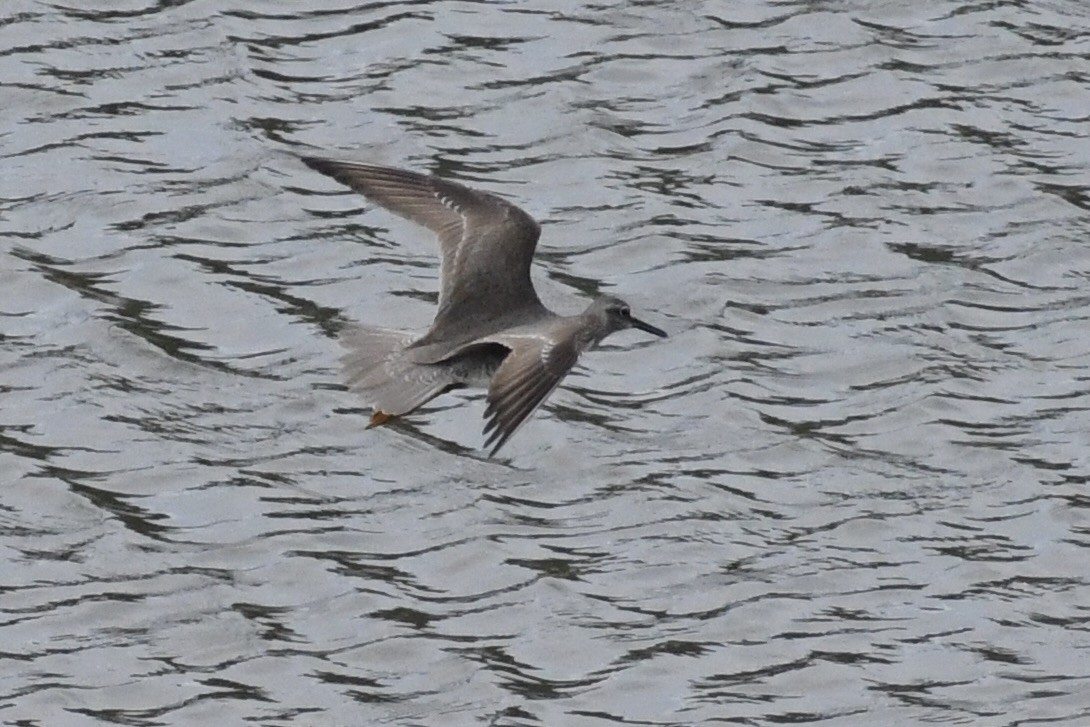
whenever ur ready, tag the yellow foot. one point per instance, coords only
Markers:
(379, 418)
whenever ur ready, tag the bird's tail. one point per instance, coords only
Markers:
(376, 367)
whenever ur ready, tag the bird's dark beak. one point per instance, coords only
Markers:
(647, 327)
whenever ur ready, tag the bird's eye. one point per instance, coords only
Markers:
(625, 312)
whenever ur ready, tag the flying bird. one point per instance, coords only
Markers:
(491, 330)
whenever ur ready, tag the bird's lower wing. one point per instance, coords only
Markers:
(535, 366)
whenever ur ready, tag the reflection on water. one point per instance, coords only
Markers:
(850, 488)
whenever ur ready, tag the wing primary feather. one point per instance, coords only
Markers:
(503, 403)
(527, 406)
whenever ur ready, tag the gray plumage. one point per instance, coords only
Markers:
(490, 330)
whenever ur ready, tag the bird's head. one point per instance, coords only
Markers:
(613, 314)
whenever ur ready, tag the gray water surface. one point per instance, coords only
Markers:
(849, 490)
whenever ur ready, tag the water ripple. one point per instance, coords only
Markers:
(849, 487)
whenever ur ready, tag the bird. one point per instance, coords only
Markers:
(491, 330)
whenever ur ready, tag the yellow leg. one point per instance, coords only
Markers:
(379, 418)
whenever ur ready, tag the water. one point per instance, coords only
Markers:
(849, 489)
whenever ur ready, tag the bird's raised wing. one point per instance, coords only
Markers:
(485, 242)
